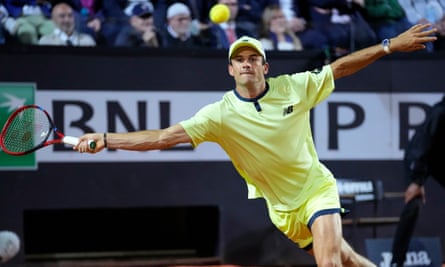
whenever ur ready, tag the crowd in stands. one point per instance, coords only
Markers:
(341, 26)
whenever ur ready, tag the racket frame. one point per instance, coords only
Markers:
(60, 138)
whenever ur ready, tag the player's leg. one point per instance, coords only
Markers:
(327, 240)
(329, 247)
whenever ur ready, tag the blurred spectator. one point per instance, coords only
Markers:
(89, 17)
(114, 20)
(199, 10)
(297, 15)
(178, 31)
(28, 20)
(226, 33)
(342, 22)
(423, 11)
(386, 17)
(200, 14)
(275, 33)
(249, 15)
(141, 31)
(427, 11)
(65, 33)
(3, 16)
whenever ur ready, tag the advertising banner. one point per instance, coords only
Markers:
(12, 96)
(422, 252)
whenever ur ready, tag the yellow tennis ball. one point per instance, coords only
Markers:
(219, 13)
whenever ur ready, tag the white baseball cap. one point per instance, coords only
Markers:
(249, 42)
(176, 9)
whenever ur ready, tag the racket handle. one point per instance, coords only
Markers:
(71, 140)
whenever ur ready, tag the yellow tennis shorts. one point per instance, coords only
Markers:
(295, 224)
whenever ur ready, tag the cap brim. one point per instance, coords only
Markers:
(239, 45)
(145, 15)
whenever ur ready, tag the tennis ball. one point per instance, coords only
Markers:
(9, 245)
(219, 13)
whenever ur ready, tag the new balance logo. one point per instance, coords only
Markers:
(288, 110)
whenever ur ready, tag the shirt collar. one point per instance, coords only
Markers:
(64, 37)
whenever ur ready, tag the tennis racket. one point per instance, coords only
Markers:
(29, 128)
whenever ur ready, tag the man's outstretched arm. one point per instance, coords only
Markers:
(411, 40)
(136, 141)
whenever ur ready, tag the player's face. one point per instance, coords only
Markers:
(248, 66)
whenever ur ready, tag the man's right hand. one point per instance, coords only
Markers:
(415, 190)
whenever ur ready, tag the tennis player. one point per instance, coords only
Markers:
(264, 127)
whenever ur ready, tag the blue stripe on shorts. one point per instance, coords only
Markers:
(318, 214)
(322, 212)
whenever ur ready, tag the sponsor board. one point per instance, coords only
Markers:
(346, 126)
(422, 252)
(12, 96)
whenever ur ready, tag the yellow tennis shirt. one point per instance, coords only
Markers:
(269, 138)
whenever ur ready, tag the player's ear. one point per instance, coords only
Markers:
(230, 69)
(266, 68)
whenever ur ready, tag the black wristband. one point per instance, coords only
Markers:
(105, 140)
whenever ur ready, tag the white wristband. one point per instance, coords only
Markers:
(386, 43)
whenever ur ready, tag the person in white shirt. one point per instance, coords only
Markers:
(427, 11)
(65, 34)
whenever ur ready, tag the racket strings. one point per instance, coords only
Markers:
(27, 130)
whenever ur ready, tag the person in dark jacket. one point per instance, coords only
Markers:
(141, 31)
(342, 22)
(387, 18)
(423, 159)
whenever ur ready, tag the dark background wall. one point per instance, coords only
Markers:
(246, 235)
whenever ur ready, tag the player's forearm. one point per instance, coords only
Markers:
(356, 61)
(136, 141)
(147, 139)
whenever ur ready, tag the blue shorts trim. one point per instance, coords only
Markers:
(321, 213)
